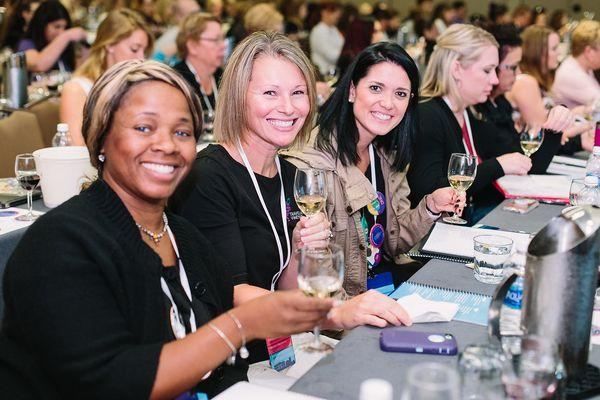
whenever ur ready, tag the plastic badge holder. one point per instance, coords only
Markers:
(521, 206)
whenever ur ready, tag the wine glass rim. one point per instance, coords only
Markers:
(465, 155)
(25, 155)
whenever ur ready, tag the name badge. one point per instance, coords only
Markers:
(281, 353)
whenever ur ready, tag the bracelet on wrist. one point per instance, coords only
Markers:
(435, 214)
(231, 359)
(244, 353)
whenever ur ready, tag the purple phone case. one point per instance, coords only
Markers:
(404, 341)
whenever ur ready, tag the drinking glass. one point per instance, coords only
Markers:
(531, 138)
(331, 76)
(432, 381)
(480, 367)
(320, 274)
(461, 174)
(491, 253)
(536, 372)
(28, 178)
(310, 190)
(576, 186)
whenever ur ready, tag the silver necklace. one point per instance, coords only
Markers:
(155, 236)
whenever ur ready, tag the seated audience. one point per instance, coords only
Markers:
(240, 192)
(460, 74)
(48, 43)
(16, 22)
(522, 17)
(128, 301)
(201, 46)
(165, 47)
(443, 16)
(263, 17)
(360, 34)
(326, 41)
(574, 83)
(498, 111)
(363, 141)
(498, 14)
(121, 36)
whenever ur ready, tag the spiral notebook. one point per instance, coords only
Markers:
(472, 307)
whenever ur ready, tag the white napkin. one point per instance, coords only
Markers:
(423, 310)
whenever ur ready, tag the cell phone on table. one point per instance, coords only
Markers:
(402, 340)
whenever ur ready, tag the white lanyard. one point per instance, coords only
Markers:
(176, 323)
(282, 264)
(204, 96)
(468, 124)
(373, 174)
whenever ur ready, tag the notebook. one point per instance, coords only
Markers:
(549, 188)
(472, 307)
(455, 243)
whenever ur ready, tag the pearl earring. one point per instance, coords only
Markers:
(101, 158)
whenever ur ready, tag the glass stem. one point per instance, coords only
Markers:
(317, 340)
(29, 202)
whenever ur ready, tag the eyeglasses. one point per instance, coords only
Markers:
(509, 67)
(219, 39)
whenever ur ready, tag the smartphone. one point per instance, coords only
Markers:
(405, 341)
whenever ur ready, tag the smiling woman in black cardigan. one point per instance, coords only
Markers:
(110, 297)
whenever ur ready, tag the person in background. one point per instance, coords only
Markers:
(574, 83)
(540, 17)
(16, 23)
(443, 15)
(559, 21)
(363, 142)
(165, 47)
(127, 300)
(522, 15)
(460, 74)
(498, 111)
(361, 33)
(498, 14)
(295, 13)
(530, 94)
(240, 192)
(461, 12)
(121, 36)
(49, 41)
(326, 41)
(263, 17)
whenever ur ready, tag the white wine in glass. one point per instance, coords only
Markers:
(310, 190)
(462, 169)
(531, 139)
(320, 274)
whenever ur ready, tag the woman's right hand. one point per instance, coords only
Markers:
(369, 308)
(514, 163)
(76, 34)
(282, 313)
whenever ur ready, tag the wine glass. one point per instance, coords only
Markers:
(576, 186)
(430, 380)
(461, 174)
(320, 274)
(531, 138)
(28, 178)
(310, 190)
(331, 76)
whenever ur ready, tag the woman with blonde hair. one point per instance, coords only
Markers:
(263, 17)
(240, 192)
(460, 74)
(121, 36)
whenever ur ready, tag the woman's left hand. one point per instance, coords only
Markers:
(313, 232)
(446, 199)
(560, 118)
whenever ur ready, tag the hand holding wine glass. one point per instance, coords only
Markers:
(320, 274)
(462, 169)
(28, 178)
(531, 138)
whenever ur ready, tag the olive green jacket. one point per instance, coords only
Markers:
(348, 191)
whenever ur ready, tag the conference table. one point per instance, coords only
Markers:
(357, 356)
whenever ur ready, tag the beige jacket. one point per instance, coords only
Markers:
(348, 191)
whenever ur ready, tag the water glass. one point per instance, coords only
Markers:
(480, 368)
(491, 252)
(576, 186)
(432, 381)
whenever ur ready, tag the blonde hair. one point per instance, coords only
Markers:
(191, 29)
(118, 25)
(231, 119)
(587, 33)
(262, 17)
(462, 43)
(535, 55)
(108, 92)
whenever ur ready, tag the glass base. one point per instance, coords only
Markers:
(319, 347)
(454, 220)
(27, 217)
(489, 279)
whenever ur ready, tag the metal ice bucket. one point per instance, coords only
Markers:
(14, 80)
(560, 281)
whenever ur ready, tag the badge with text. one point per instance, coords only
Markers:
(281, 353)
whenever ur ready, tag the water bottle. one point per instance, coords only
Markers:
(590, 194)
(510, 314)
(593, 164)
(62, 137)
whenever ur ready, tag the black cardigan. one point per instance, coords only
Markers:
(84, 307)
